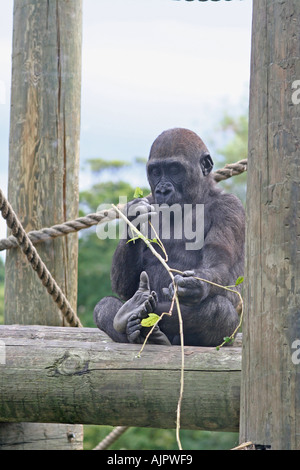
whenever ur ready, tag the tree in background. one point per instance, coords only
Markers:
(236, 149)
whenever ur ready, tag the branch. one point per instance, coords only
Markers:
(164, 263)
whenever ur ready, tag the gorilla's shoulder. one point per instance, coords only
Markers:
(229, 199)
(227, 206)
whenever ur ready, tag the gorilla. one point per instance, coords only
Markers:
(179, 173)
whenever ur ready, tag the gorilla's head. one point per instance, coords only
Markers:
(178, 167)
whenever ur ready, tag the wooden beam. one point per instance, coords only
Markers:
(43, 169)
(270, 406)
(77, 375)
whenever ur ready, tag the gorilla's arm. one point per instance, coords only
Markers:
(221, 253)
(127, 263)
(224, 243)
(126, 268)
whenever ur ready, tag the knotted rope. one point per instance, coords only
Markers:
(38, 236)
(37, 264)
(232, 169)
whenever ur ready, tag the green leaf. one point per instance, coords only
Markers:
(150, 320)
(239, 280)
(227, 339)
(133, 240)
(138, 193)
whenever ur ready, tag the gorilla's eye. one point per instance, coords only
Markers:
(155, 171)
(175, 169)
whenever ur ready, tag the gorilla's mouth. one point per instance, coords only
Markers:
(166, 197)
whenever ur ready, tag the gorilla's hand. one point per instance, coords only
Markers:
(140, 305)
(137, 334)
(190, 291)
(139, 211)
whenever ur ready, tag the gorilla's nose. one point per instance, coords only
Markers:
(162, 192)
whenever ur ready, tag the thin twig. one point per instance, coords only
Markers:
(160, 243)
(164, 263)
(169, 313)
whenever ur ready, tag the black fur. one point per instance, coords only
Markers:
(178, 170)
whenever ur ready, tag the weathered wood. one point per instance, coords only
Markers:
(44, 150)
(43, 165)
(72, 375)
(41, 437)
(270, 397)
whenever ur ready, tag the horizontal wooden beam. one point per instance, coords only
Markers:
(77, 375)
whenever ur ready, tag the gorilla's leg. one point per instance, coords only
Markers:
(122, 322)
(141, 304)
(104, 314)
(209, 323)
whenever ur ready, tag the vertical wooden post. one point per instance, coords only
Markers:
(43, 173)
(270, 396)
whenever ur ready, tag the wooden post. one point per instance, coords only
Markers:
(44, 163)
(78, 375)
(270, 396)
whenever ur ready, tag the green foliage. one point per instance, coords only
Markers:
(94, 262)
(239, 280)
(2, 276)
(2, 271)
(1, 304)
(236, 149)
(138, 193)
(97, 165)
(160, 439)
(104, 193)
(150, 320)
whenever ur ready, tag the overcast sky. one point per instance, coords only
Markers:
(148, 65)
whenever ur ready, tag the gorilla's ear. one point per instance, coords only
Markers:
(206, 164)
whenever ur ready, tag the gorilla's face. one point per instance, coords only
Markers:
(167, 180)
(177, 166)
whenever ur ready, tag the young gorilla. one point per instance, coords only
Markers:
(178, 171)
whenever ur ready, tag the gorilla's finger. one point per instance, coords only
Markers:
(182, 291)
(179, 280)
(154, 295)
(144, 282)
(143, 313)
(134, 323)
(133, 337)
(152, 303)
(147, 306)
(188, 273)
(169, 292)
(166, 291)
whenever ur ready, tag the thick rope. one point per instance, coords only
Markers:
(37, 264)
(232, 169)
(111, 438)
(37, 236)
